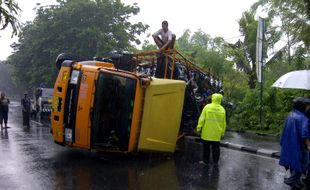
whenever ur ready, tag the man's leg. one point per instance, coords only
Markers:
(1, 119)
(158, 42)
(206, 151)
(307, 179)
(173, 41)
(294, 179)
(160, 67)
(216, 152)
(307, 163)
(24, 118)
(5, 118)
(28, 118)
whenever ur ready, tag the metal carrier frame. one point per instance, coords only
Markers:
(150, 58)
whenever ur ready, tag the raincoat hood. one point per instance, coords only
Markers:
(300, 103)
(217, 98)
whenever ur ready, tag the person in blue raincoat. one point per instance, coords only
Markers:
(295, 143)
(307, 113)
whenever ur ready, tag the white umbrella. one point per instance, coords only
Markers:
(295, 79)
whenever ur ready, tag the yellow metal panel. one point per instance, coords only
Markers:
(162, 114)
(59, 98)
(136, 118)
(82, 126)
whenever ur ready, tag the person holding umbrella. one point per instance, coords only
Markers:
(307, 114)
(295, 143)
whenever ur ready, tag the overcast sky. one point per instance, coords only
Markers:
(214, 17)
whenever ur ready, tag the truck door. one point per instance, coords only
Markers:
(83, 121)
(162, 114)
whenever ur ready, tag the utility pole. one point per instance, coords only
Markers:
(288, 46)
(260, 62)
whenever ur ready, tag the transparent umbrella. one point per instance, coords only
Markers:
(296, 80)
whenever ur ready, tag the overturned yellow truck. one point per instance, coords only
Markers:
(127, 103)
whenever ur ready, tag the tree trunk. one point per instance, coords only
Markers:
(252, 80)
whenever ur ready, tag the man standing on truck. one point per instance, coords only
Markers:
(212, 126)
(166, 39)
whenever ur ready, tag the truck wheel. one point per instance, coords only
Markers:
(65, 56)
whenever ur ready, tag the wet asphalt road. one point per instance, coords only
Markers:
(253, 140)
(30, 160)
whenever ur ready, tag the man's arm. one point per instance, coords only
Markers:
(305, 133)
(156, 34)
(307, 142)
(224, 124)
(167, 44)
(164, 47)
(201, 120)
(157, 40)
(23, 104)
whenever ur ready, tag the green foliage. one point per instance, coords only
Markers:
(148, 47)
(84, 27)
(205, 51)
(243, 52)
(9, 10)
(276, 104)
(236, 65)
(7, 84)
(294, 15)
(235, 83)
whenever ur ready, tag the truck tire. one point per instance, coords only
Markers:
(66, 56)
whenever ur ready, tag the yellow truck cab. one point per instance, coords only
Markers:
(99, 107)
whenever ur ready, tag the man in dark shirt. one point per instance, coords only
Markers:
(4, 109)
(26, 107)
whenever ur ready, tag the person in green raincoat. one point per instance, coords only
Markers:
(212, 126)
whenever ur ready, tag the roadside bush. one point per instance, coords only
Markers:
(277, 103)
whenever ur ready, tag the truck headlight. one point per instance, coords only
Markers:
(74, 77)
(68, 135)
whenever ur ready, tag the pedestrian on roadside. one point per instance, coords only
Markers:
(26, 108)
(212, 126)
(306, 180)
(1, 116)
(295, 143)
(4, 109)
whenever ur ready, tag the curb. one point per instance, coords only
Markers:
(253, 133)
(38, 123)
(258, 151)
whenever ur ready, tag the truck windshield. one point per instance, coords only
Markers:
(113, 106)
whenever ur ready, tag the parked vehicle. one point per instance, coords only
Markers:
(43, 101)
